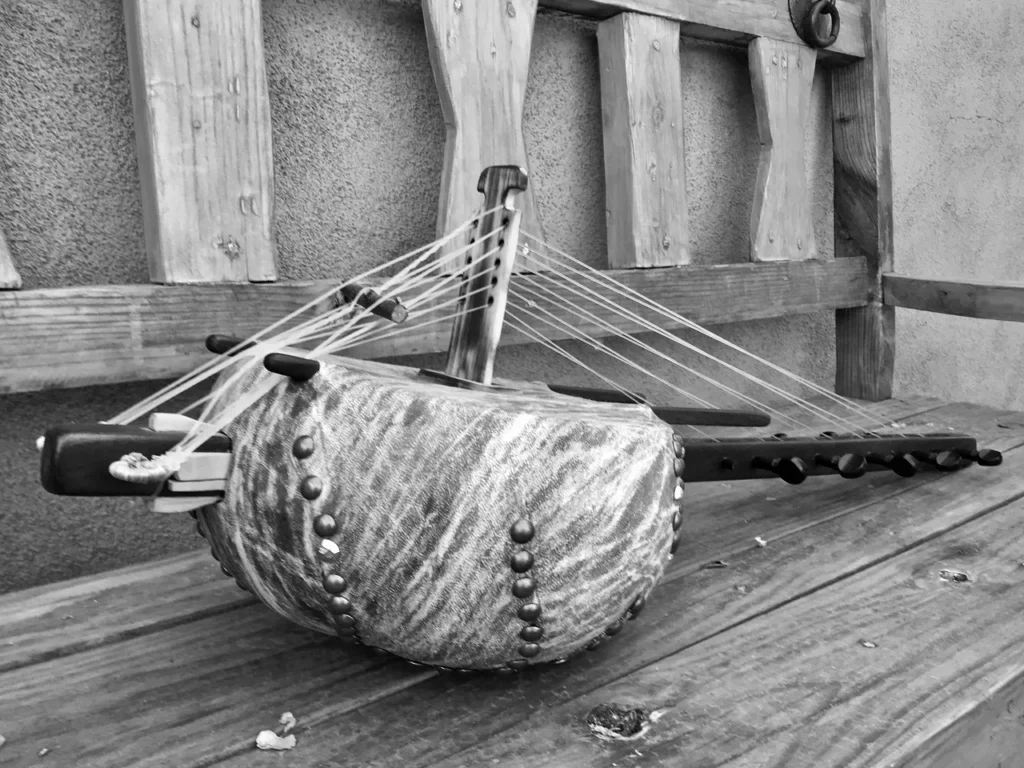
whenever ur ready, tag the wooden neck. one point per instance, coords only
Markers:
(482, 297)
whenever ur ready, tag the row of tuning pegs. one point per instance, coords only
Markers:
(794, 470)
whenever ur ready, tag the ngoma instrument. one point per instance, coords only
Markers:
(448, 517)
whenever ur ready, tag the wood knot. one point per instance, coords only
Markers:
(618, 722)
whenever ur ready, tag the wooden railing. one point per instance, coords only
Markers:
(199, 84)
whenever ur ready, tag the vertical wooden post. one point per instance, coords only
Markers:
(480, 54)
(10, 280)
(861, 135)
(644, 148)
(781, 225)
(202, 125)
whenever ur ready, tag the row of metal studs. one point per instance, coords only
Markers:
(678, 465)
(325, 526)
(522, 532)
(213, 552)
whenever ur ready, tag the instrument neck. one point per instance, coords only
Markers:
(484, 290)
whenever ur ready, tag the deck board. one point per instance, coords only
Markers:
(147, 676)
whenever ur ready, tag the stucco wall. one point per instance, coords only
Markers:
(358, 144)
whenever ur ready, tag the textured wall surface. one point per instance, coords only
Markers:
(358, 145)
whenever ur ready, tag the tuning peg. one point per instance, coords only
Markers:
(792, 470)
(296, 368)
(986, 457)
(850, 465)
(944, 461)
(222, 345)
(903, 464)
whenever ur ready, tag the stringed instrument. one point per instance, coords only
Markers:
(450, 517)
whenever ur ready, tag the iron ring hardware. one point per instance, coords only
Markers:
(804, 15)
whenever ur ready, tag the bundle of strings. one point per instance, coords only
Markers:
(428, 283)
(557, 302)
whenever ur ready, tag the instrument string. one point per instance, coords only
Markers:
(619, 333)
(217, 364)
(636, 296)
(711, 380)
(524, 328)
(603, 300)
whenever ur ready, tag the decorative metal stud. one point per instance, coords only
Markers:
(529, 612)
(338, 604)
(335, 583)
(241, 586)
(226, 572)
(325, 526)
(524, 587)
(522, 561)
(302, 448)
(522, 531)
(674, 547)
(311, 487)
(677, 494)
(518, 664)
(637, 606)
(199, 529)
(677, 520)
(614, 629)
(344, 620)
(529, 650)
(346, 631)
(594, 644)
(328, 551)
(531, 633)
(678, 466)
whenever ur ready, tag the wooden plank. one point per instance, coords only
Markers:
(781, 225)
(989, 301)
(480, 54)
(644, 150)
(202, 126)
(861, 139)
(796, 686)
(721, 526)
(58, 620)
(10, 280)
(736, 22)
(105, 334)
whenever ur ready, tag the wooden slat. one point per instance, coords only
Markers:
(989, 301)
(795, 686)
(10, 280)
(861, 138)
(202, 126)
(691, 604)
(644, 150)
(781, 226)
(736, 21)
(79, 336)
(480, 54)
(57, 620)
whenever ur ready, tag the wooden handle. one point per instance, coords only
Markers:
(75, 458)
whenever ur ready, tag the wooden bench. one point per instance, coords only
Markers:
(832, 624)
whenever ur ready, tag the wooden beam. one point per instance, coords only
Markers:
(644, 151)
(202, 126)
(861, 137)
(736, 22)
(10, 280)
(988, 301)
(71, 337)
(781, 226)
(480, 54)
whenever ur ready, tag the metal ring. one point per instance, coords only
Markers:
(809, 30)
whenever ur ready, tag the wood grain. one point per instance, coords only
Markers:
(480, 54)
(861, 139)
(644, 150)
(10, 280)
(989, 301)
(730, 21)
(202, 126)
(781, 225)
(57, 620)
(71, 337)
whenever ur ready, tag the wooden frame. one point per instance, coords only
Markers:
(105, 334)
